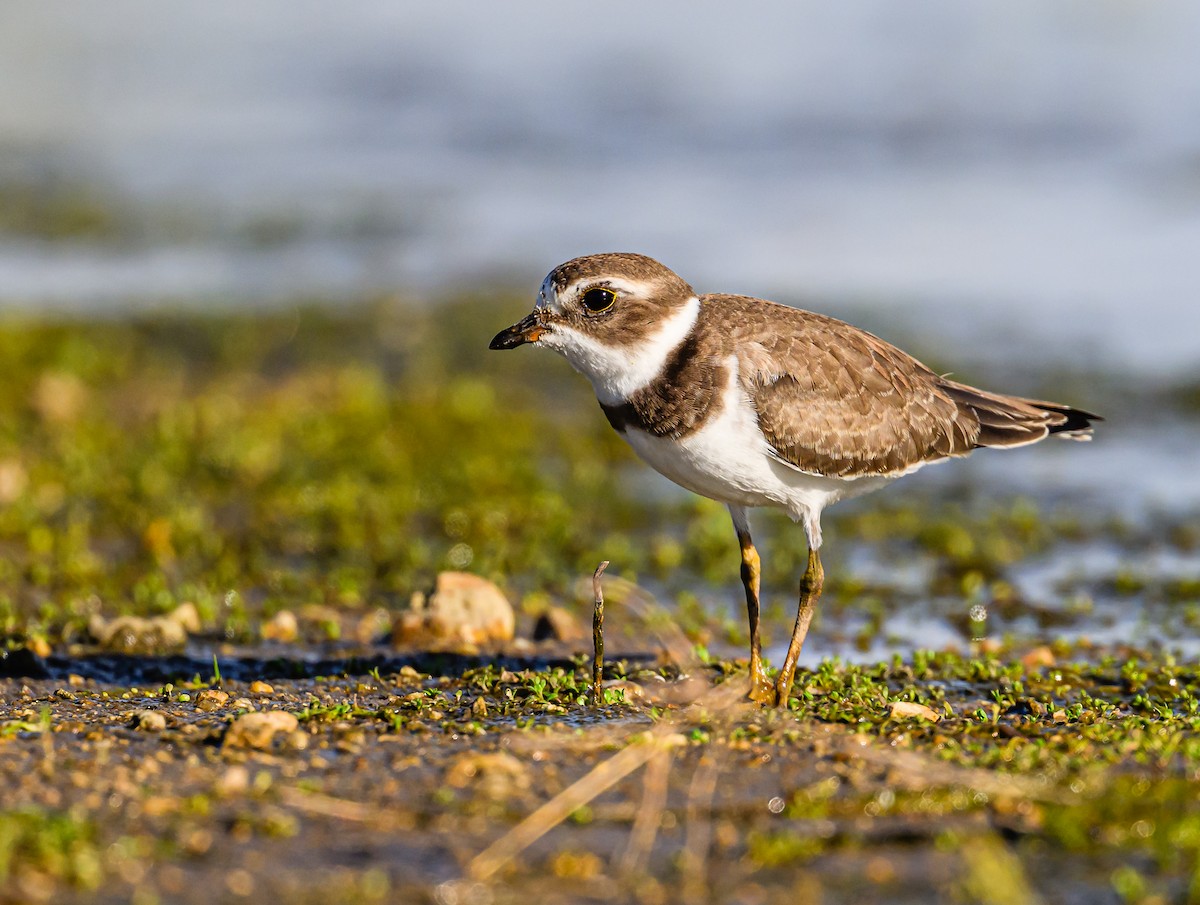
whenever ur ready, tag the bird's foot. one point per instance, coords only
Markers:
(762, 690)
(781, 690)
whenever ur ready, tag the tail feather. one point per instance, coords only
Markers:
(1016, 421)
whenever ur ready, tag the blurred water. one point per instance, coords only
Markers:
(1024, 168)
(1020, 178)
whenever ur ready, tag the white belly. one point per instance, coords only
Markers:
(729, 460)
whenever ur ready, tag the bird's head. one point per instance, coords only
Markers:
(609, 315)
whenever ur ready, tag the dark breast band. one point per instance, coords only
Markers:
(684, 395)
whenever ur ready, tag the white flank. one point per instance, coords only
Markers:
(730, 461)
(618, 371)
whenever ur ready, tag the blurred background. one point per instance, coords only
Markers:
(1011, 190)
(1024, 167)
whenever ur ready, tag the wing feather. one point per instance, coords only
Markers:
(834, 400)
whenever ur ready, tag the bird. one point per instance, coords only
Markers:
(753, 403)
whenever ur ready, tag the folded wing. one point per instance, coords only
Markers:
(837, 401)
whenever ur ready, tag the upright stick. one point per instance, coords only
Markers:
(598, 636)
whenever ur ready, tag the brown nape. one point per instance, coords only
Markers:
(1014, 421)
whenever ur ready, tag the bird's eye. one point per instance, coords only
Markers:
(598, 299)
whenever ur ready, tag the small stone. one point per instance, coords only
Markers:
(234, 780)
(410, 675)
(297, 740)
(160, 805)
(260, 687)
(187, 617)
(373, 627)
(39, 646)
(135, 635)
(197, 842)
(256, 730)
(211, 699)
(283, 626)
(243, 704)
(1038, 658)
(462, 610)
(497, 775)
(149, 721)
(912, 709)
(479, 709)
(319, 622)
(558, 624)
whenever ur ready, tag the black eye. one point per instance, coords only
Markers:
(597, 299)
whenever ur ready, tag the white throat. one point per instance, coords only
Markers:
(616, 372)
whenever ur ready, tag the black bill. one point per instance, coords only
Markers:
(526, 330)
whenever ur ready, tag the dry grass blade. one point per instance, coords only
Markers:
(570, 799)
(699, 831)
(327, 806)
(918, 771)
(649, 815)
(716, 703)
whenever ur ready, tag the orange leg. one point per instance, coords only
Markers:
(761, 689)
(810, 593)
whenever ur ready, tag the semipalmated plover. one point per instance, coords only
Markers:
(753, 403)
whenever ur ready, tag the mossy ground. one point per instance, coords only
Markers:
(252, 464)
(1069, 782)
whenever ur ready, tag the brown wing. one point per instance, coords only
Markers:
(835, 400)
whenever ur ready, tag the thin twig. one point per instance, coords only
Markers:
(598, 636)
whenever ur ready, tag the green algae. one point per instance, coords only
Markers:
(250, 464)
(254, 464)
(1080, 768)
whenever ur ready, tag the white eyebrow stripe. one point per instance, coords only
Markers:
(616, 372)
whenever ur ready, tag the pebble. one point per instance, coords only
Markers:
(234, 780)
(136, 635)
(462, 609)
(260, 687)
(257, 730)
(911, 709)
(211, 699)
(149, 721)
(1039, 657)
(495, 775)
(558, 624)
(283, 626)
